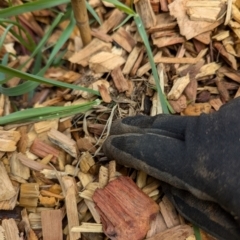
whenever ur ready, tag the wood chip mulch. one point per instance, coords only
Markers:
(54, 177)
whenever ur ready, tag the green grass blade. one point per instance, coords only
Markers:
(29, 86)
(30, 6)
(7, 29)
(44, 113)
(62, 39)
(121, 7)
(123, 22)
(4, 62)
(197, 233)
(20, 89)
(38, 79)
(47, 35)
(29, 44)
(94, 14)
(42, 42)
(144, 37)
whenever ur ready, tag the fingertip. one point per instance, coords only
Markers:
(135, 124)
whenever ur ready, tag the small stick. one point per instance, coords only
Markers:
(81, 16)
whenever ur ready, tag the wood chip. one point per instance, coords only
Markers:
(197, 109)
(116, 200)
(71, 207)
(92, 48)
(119, 80)
(10, 228)
(7, 190)
(124, 39)
(52, 224)
(105, 62)
(145, 11)
(178, 87)
(64, 142)
(179, 232)
(169, 213)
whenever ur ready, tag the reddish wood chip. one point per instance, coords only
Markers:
(126, 212)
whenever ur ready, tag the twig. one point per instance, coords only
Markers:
(81, 16)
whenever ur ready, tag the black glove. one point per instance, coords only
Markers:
(196, 154)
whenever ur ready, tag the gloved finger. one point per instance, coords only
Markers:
(167, 125)
(159, 156)
(150, 153)
(207, 215)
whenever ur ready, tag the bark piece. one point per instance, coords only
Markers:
(124, 39)
(144, 9)
(91, 49)
(63, 141)
(119, 80)
(105, 62)
(7, 190)
(125, 210)
(52, 224)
